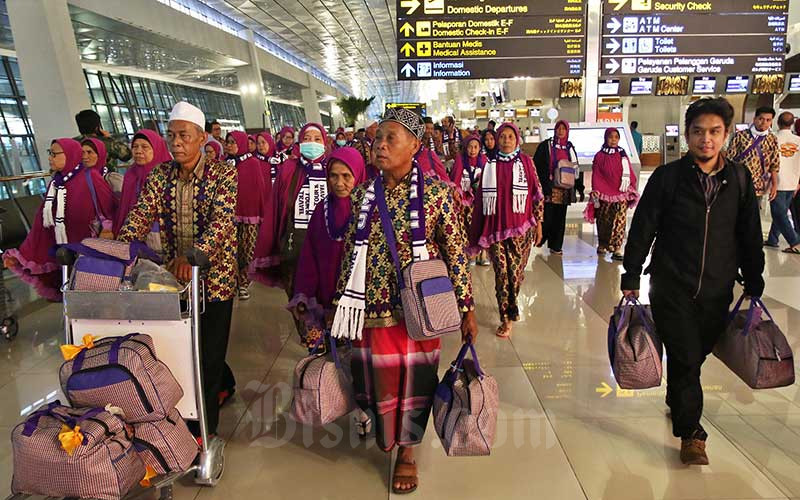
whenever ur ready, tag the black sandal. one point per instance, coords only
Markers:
(792, 250)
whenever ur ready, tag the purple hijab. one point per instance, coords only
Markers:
(216, 146)
(102, 155)
(505, 223)
(322, 253)
(283, 132)
(608, 167)
(35, 264)
(465, 165)
(253, 191)
(136, 175)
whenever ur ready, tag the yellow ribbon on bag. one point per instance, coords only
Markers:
(149, 474)
(70, 438)
(70, 351)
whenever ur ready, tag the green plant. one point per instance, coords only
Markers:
(352, 106)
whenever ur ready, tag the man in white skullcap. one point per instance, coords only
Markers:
(193, 198)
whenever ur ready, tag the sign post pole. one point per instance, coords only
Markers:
(593, 28)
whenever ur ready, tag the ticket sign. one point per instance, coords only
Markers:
(471, 39)
(697, 6)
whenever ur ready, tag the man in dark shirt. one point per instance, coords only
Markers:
(701, 211)
(89, 126)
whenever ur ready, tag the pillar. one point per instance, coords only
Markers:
(50, 66)
(311, 105)
(594, 29)
(251, 90)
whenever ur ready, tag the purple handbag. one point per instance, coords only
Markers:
(465, 407)
(756, 350)
(103, 466)
(430, 307)
(123, 372)
(634, 348)
(323, 386)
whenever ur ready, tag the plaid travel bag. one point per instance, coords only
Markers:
(465, 407)
(123, 372)
(165, 445)
(64, 452)
(103, 265)
(634, 347)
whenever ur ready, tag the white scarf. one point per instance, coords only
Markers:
(314, 190)
(758, 133)
(519, 184)
(58, 194)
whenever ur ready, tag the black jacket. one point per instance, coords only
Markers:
(541, 159)
(698, 250)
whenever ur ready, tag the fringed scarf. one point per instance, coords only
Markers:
(519, 185)
(313, 191)
(348, 322)
(57, 192)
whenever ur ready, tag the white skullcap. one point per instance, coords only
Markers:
(188, 113)
(348, 129)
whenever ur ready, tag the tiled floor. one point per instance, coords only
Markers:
(564, 432)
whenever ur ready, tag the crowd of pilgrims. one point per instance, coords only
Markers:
(287, 211)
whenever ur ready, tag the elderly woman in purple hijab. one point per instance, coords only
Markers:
(613, 193)
(301, 184)
(78, 201)
(322, 253)
(149, 150)
(253, 193)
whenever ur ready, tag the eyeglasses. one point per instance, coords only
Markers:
(53, 154)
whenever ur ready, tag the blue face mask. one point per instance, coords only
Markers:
(311, 150)
(340, 142)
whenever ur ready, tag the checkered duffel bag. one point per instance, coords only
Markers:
(103, 265)
(123, 372)
(165, 445)
(64, 452)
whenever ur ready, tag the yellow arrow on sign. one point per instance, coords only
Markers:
(604, 389)
(407, 49)
(618, 3)
(411, 5)
(406, 30)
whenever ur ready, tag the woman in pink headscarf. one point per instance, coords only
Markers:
(301, 184)
(466, 175)
(507, 220)
(252, 195)
(285, 146)
(613, 193)
(322, 252)
(265, 150)
(149, 150)
(252, 144)
(340, 140)
(78, 203)
(94, 155)
(556, 200)
(213, 150)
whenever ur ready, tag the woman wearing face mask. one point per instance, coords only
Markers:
(301, 184)
(67, 215)
(252, 194)
(507, 220)
(466, 175)
(613, 193)
(547, 156)
(322, 253)
(340, 140)
(149, 150)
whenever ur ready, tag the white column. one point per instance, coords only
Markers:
(311, 105)
(251, 89)
(593, 39)
(50, 66)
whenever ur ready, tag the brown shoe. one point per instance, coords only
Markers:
(693, 452)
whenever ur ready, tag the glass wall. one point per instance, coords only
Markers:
(126, 103)
(286, 114)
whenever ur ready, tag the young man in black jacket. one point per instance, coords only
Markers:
(702, 213)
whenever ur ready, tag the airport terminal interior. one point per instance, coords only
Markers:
(563, 427)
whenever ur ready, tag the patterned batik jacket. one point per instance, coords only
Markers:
(445, 240)
(760, 172)
(213, 226)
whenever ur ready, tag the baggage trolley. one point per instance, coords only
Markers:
(176, 335)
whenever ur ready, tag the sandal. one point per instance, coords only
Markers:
(363, 425)
(792, 250)
(405, 474)
(503, 331)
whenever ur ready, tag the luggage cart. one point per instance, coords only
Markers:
(176, 336)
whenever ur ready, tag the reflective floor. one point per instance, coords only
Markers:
(565, 431)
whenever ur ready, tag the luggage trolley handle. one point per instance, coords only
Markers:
(199, 261)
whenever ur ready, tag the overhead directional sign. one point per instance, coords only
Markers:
(470, 39)
(646, 37)
(418, 107)
(697, 6)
